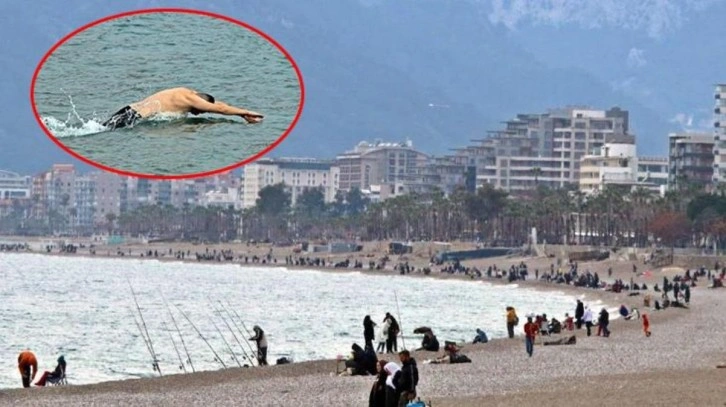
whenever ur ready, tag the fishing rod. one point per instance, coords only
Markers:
(148, 337)
(184, 345)
(246, 355)
(252, 351)
(400, 325)
(229, 348)
(202, 336)
(246, 330)
(141, 332)
(240, 320)
(181, 361)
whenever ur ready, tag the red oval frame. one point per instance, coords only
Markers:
(182, 11)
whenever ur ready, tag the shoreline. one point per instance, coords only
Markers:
(493, 362)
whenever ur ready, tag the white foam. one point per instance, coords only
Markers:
(62, 129)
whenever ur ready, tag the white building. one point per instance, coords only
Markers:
(224, 198)
(618, 164)
(14, 186)
(296, 174)
(719, 123)
(545, 148)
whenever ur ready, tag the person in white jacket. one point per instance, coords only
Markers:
(382, 336)
(392, 396)
(587, 317)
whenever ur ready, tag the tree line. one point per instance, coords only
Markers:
(616, 216)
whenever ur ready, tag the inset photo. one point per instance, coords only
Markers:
(167, 93)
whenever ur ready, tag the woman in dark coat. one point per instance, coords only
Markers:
(368, 331)
(378, 391)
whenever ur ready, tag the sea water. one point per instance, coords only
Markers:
(108, 66)
(83, 308)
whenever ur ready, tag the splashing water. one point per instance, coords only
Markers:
(75, 125)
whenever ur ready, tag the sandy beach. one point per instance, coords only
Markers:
(675, 365)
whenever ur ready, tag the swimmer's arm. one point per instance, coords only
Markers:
(223, 108)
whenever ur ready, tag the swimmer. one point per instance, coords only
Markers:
(176, 100)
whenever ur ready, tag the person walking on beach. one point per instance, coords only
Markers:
(646, 325)
(28, 367)
(530, 333)
(392, 394)
(377, 396)
(587, 317)
(261, 339)
(406, 379)
(176, 101)
(579, 312)
(368, 331)
(603, 322)
(512, 321)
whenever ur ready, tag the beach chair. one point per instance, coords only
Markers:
(57, 381)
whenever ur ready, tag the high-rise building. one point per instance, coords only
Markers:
(690, 159)
(719, 124)
(544, 148)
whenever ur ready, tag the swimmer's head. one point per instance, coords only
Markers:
(206, 96)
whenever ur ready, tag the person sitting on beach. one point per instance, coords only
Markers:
(624, 310)
(176, 101)
(543, 324)
(634, 314)
(362, 362)
(430, 342)
(481, 336)
(570, 340)
(554, 327)
(56, 375)
(452, 355)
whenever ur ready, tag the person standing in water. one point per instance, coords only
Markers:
(28, 367)
(261, 339)
(176, 101)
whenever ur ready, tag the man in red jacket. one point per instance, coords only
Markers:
(530, 331)
(26, 361)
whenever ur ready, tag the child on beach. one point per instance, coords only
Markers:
(383, 336)
(646, 325)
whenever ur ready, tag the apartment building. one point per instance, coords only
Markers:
(544, 148)
(719, 125)
(690, 159)
(379, 163)
(298, 174)
(14, 186)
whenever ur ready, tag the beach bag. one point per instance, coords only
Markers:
(516, 321)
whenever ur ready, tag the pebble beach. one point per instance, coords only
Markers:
(676, 365)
